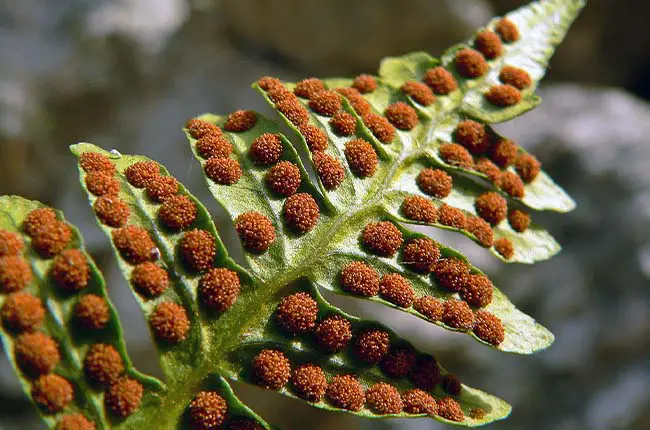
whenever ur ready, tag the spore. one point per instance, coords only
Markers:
(207, 410)
(345, 392)
(371, 345)
(488, 43)
(383, 398)
(124, 397)
(112, 211)
(457, 314)
(199, 128)
(455, 155)
(149, 279)
(492, 207)
(477, 413)
(15, 274)
(75, 421)
(37, 220)
(418, 402)
(451, 384)
(219, 289)
(452, 217)
(309, 383)
(473, 136)
(22, 312)
(139, 174)
(135, 244)
(401, 115)
(364, 84)
(398, 362)
(361, 157)
(308, 88)
(36, 353)
(271, 369)
(223, 171)
(213, 145)
(103, 364)
(380, 127)
(504, 247)
(52, 239)
(528, 167)
(284, 178)
(482, 230)
(100, 184)
(297, 313)
(266, 149)
(503, 152)
(519, 220)
(198, 249)
(333, 333)
(418, 208)
(489, 169)
(10, 243)
(301, 212)
(489, 328)
(358, 103)
(52, 393)
(255, 230)
(425, 373)
(507, 30)
(449, 409)
(94, 162)
(329, 169)
(315, 137)
(360, 279)
(71, 271)
(430, 307)
(294, 111)
(280, 93)
(397, 290)
(518, 78)
(326, 103)
(343, 124)
(421, 255)
(434, 182)
(419, 92)
(470, 63)
(451, 273)
(240, 121)
(268, 82)
(503, 95)
(169, 322)
(178, 212)
(92, 312)
(382, 238)
(512, 184)
(440, 80)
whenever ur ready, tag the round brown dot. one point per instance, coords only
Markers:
(139, 174)
(528, 167)
(512, 184)
(207, 410)
(488, 43)
(219, 289)
(240, 121)
(112, 211)
(470, 63)
(271, 369)
(477, 413)
(417, 208)
(52, 239)
(451, 384)
(492, 207)
(308, 88)
(361, 157)
(22, 312)
(10, 243)
(489, 169)
(333, 333)
(507, 30)
(371, 345)
(326, 103)
(503, 95)
(178, 212)
(419, 92)
(198, 249)
(382, 238)
(149, 279)
(75, 422)
(519, 220)
(213, 145)
(430, 307)
(457, 314)
(223, 171)
(101, 184)
(329, 169)
(345, 392)
(435, 182)
(518, 78)
(297, 313)
(489, 328)
(268, 82)
(94, 162)
(293, 111)
(397, 290)
(279, 93)
(36, 353)
(199, 128)
(419, 402)
(124, 397)
(451, 273)
(255, 230)
(283, 178)
(398, 362)
(266, 149)
(425, 373)
(421, 255)
(71, 271)
(401, 116)
(103, 364)
(309, 383)
(169, 322)
(135, 244)
(37, 220)
(455, 155)
(504, 247)
(478, 291)
(503, 152)
(301, 212)
(380, 127)
(452, 217)
(440, 80)
(358, 103)
(449, 409)
(481, 229)
(360, 279)
(383, 398)
(15, 273)
(52, 393)
(315, 137)
(92, 312)
(364, 83)
(473, 136)
(343, 124)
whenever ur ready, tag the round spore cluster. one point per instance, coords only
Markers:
(519, 220)
(308, 88)
(507, 30)
(358, 103)
(198, 249)
(70, 270)
(75, 421)
(161, 188)
(364, 84)
(398, 362)
(284, 178)
(315, 137)
(10, 243)
(382, 238)
(457, 314)
(178, 212)
(139, 174)
(149, 279)
(308, 382)
(380, 127)
(255, 230)
(452, 217)
(470, 63)
(361, 157)
(478, 291)
(449, 409)
(417, 401)
(345, 392)
(481, 229)
(15, 273)
(528, 167)
(329, 169)
(488, 168)
(268, 82)
(36, 353)
(52, 239)
(343, 124)
(207, 410)
(425, 373)
(52, 393)
(397, 290)
(512, 184)
(451, 384)
(518, 78)
(360, 279)
(489, 328)
(503, 95)
(294, 111)
(401, 115)
(135, 244)
(326, 103)
(240, 121)
(371, 345)
(492, 207)
(266, 149)
(419, 92)
(100, 184)
(223, 171)
(430, 307)
(271, 369)
(301, 212)
(451, 273)
(383, 399)
(169, 322)
(199, 128)
(112, 211)
(455, 155)
(488, 43)
(123, 397)
(333, 333)
(22, 312)
(418, 208)
(503, 152)
(440, 80)
(297, 313)
(219, 289)
(504, 247)
(473, 136)
(213, 146)
(435, 182)
(92, 312)
(103, 364)
(94, 162)
(38, 219)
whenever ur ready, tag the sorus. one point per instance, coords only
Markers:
(178, 212)
(371, 345)
(223, 171)
(333, 333)
(440, 80)
(255, 230)
(417, 208)
(457, 314)
(361, 157)
(455, 155)
(384, 399)
(470, 63)
(297, 313)
(266, 149)
(435, 182)
(169, 322)
(421, 255)
(240, 121)
(401, 116)
(271, 369)
(123, 397)
(112, 211)
(382, 238)
(139, 174)
(345, 392)
(219, 289)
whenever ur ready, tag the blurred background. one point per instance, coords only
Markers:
(127, 74)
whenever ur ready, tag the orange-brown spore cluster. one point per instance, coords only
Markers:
(22, 312)
(266, 149)
(271, 369)
(425, 373)
(380, 127)
(240, 121)
(364, 84)
(440, 80)
(451, 384)
(301, 212)
(489, 169)
(528, 167)
(94, 162)
(361, 157)
(326, 103)
(207, 410)
(329, 169)
(470, 63)
(457, 314)
(512, 184)
(198, 249)
(451, 273)
(308, 88)
(219, 289)
(507, 30)
(343, 124)
(268, 82)
(383, 398)
(434, 182)
(482, 230)
(397, 290)
(52, 239)
(124, 397)
(135, 244)
(492, 207)
(503, 152)
(149, 279)
(10, 243)
(382, 238)
(100, 184)
(518, 78)
(315, 137)
(503, 95)
(223, 171)
(504, 247)
(452, 217)
(169, 322)
(308, 381)
(360, 279)
(52, 393)
(401, 115)
(103, 364)
(417, 401)
(478, 291)
(371, 345)
(430, 307)
(418, 208)
(488, 43)
(92, 312)
(213, 145)
(456, 155)
(421, 255)
(358, 103)
(449, 409)
(178, 212)
(161, 188)
(419, 92)
(15, 273)
(199, 128)
(36, 353)
(473, 136)
(255, 230)
(75, 421)
(489, 328)
(112, 211)
(297, 313)
(71, 271)
(345, 392)
(283, 178)
(519, 220)
(38, 219)
(139, 174)
(333, 333)
(398, 362)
